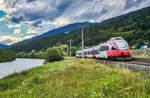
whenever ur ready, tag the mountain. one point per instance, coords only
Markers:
(134, 27)
(2, 46)
(63, 29)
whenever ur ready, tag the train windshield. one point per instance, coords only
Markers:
(122, 44)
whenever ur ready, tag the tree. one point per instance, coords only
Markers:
(7, 55)
(53, 54)
(40, 55)
(32, 54)
(21, 55)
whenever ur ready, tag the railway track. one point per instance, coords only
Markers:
(139, 63)
(136, 64)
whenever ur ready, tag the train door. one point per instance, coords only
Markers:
(97, 52)
(103, 51)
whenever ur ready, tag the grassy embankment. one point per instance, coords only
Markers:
(139, 53)
(75, 78)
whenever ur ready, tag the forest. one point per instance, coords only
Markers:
(133, 27)
(7, 55)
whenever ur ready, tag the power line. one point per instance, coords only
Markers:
(93, 7)
(109, 10)
(82, 36)
(82, 26)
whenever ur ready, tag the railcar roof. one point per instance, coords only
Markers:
(115, 38)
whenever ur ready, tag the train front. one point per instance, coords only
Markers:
(124, 50)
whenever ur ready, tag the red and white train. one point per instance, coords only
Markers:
(115, 48)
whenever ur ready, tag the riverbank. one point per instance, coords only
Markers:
(19, 65)
(74, 77)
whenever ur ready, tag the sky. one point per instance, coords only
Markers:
(24, 19)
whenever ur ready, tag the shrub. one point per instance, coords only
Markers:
(40, 55)
(32, 54)
(24, 73)
(54, 54)
(36, 79)
(22, 55)
(8, 84)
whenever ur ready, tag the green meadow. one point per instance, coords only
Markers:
(76, 78)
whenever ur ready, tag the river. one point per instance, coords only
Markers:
(18, 65)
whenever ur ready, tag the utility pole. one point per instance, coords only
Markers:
(70, 48)
(82, 44)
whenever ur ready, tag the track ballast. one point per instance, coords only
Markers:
(136, 64)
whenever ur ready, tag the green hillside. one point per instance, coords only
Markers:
(134, 27)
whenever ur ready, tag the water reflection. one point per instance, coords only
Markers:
(18, 65)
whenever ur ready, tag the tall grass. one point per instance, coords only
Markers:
(140, 53)
(77, 78)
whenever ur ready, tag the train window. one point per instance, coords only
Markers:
(113, 48)
(89, 53)
(107, 47)
(80, 53)
(96, 51)
(101, 48)
(92, 52)
(104, 48)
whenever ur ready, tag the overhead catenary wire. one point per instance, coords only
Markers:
(88, 16)
(109, 11)
(92, 8)
(82, 35)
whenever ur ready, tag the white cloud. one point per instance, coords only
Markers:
(17, 31)
(61, 21)
(36, 31)
(14, 25)
(2, 19)
(11, 39)
(62, 12)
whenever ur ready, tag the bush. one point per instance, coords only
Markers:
(22, 55)
(51, 54)
(36, 79)
(32, 54)
(54, 54)
(40, 55)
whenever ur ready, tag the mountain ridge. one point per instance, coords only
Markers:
(64, 29)
(2, 46)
